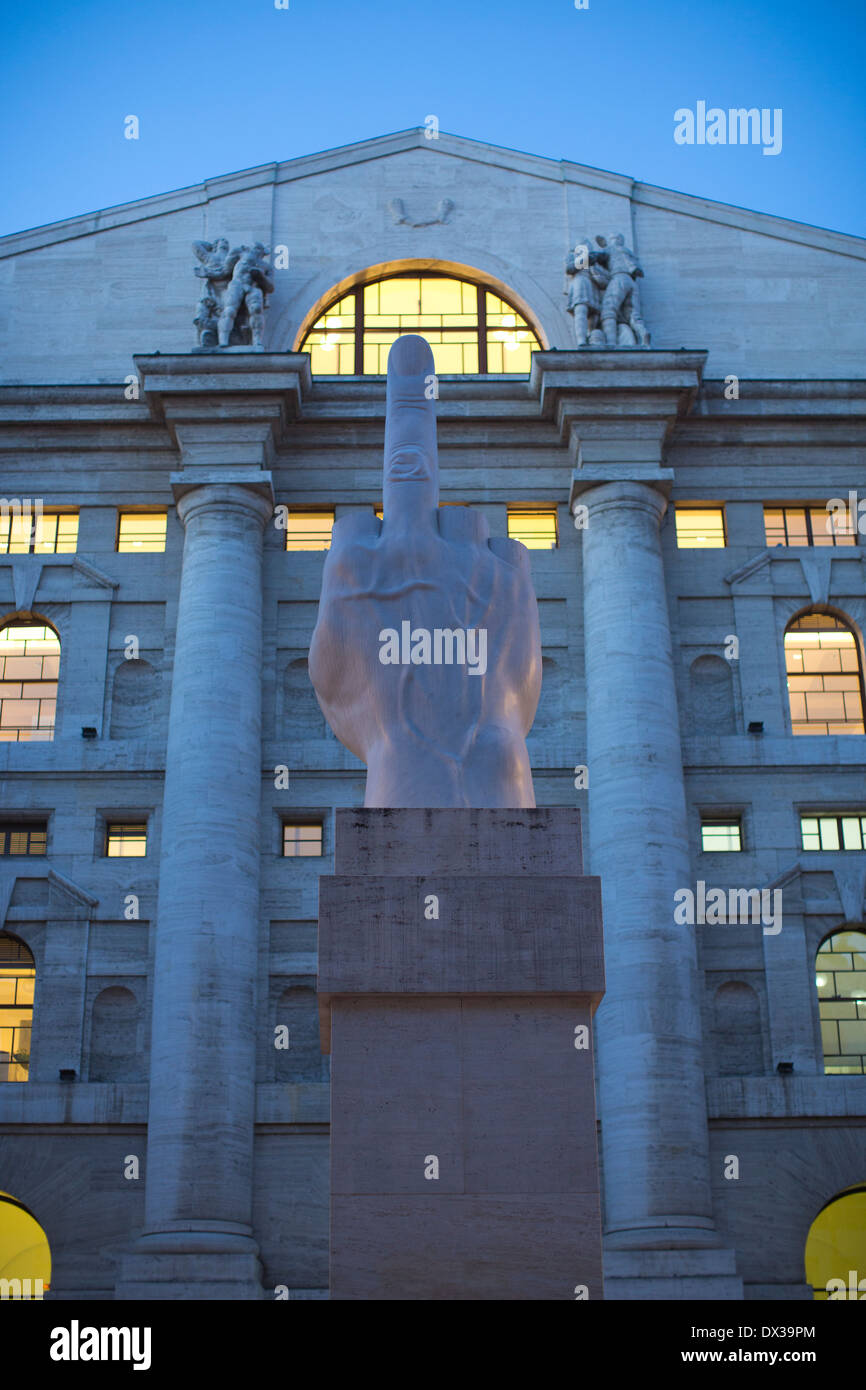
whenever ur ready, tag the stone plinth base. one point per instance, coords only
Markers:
(460, 964)
(671, 1275)
(174, 1273)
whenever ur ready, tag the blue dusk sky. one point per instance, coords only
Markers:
(230, 84)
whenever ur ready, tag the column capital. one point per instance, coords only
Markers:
(626, 494)
(217, 489)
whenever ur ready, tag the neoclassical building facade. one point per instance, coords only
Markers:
(696, 512)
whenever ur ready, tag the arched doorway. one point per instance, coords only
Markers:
(836, 1247)
(25, 1256)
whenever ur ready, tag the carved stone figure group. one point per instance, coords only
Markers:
(231, 310)
(603, 294)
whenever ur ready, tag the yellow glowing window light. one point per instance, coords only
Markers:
(141, 531)
(825, 689)
(807, 526)
(840, 978)
(29, 531)
(700, 528)
(470, 330)
(29, 668)
(25, 1258)
(303, 839)
(309, 530)
(17, 987)
(534, 526)
(836, 1247)
(126, 841)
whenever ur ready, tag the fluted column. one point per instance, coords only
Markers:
(654, 1127)
(202, 1090)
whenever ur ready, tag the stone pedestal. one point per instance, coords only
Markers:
(460, 964)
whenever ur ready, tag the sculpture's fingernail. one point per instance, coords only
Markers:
(410, 355)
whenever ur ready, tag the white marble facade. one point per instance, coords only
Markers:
(630, 627)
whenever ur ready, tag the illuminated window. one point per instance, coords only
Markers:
(17, 985)
(807, 526)
(720, 836)
(700, 528)
(534, 526)
(833, 832)
(309, 530)
(302, 839)
(141, 531)
(840, 978)
(29, 668)
(126, 841)
(23, 837)
(27, 531)
(469, 328)
(825, 683)
(836, 1245)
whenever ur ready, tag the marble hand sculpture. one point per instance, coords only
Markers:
(426, 657)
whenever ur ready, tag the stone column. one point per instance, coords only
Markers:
(197, 1240)
(654, 1126)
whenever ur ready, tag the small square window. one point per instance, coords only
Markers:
(719, 836)
(141, 531)
(534, 526)
(23, 837)
(302, 839)
(126, 840)
(308, 530)
(700, 528)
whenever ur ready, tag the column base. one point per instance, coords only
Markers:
(201, 1269)
(672, 1275)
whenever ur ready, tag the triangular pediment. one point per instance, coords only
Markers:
(446, 147)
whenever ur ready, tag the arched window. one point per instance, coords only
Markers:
(29, 667)
(825, 681)
(25, 1259)
(836, 1245)
(468, 326)
(17, 985)
(840, 977)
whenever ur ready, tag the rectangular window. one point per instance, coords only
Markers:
(309, 530)
(700, 528)
(26, 531)
(834, 832)
(807, 526)
(302, 839)
(23, 837)
(126, 840)
(720, 836)
(534, 526)
(141, 531)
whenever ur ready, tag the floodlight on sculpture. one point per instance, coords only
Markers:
(426, 656)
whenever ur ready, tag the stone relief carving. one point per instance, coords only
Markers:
(603, 293)
(397, 209)
(231, 308)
